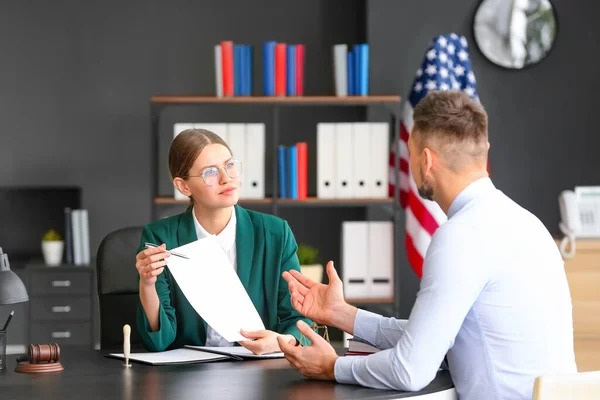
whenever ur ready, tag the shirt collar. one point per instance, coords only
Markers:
(473, 190)
(227, 235)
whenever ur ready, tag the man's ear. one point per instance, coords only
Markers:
(182, 186)
(427, 160)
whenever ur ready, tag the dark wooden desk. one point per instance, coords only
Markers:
(90, 375)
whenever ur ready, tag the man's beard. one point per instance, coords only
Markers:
(425, 189)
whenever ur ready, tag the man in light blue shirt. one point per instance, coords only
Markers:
(493, 297)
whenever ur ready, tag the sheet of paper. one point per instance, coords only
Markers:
(214, 289)
(176, 356)
(236, 351)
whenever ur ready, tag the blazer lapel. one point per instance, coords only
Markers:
(244, 242)
(186, 232)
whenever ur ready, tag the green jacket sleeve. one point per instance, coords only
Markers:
(167, 328)
(288, 316)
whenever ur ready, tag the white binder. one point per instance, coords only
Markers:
(381, 259)
(340, 69)
(361, 144)
(344, 160)
(180, 127)
(379, 157)
(215, 127)
(254, 166)
(236, 133)
(326, 155)
(355, 259)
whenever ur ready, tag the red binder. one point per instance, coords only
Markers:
(227, 60)
(302, 150)
(280, 64)
(299, 69)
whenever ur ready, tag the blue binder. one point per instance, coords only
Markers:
(269, 68)
(290, 73)
(293, 172)
(282, 161)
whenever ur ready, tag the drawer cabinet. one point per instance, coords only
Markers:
(583, 274)
(61, 305)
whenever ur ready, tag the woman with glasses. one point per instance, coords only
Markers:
(259, 246)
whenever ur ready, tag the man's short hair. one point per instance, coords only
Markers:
(454, 125)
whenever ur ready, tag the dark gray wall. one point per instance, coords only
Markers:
(543, 120)
(76, 79)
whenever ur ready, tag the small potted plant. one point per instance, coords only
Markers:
(307, 255)
(52, 248)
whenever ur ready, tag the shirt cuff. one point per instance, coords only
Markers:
(342, 370)
(366, 325)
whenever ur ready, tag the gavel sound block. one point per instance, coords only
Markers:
(42, 358)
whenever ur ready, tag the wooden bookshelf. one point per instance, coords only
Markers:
(290, 202)
(172, 200)
(281, 100)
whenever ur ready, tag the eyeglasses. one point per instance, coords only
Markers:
(211, 175)
(304, 340)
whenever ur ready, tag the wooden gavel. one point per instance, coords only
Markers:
(44, 353)
(41, 358)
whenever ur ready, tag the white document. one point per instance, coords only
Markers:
(344, 162)
(381, 259)
(254, 166)
(240, 353)
(177, 356)
(211, 285)
(380, 153)
(355, 259)
(326, 156)
(361, 174)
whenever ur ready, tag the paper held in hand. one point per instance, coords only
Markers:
(211, 285)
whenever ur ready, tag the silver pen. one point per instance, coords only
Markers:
(152, 245)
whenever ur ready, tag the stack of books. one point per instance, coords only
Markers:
(233, 69)
(351, 70)
(293, 171)
(283, 69)
(360, 347)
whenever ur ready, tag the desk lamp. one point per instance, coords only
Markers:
(12, 289)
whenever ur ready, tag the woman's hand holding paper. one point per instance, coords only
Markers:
(265, 341)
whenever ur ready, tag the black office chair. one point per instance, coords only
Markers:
(118, 291)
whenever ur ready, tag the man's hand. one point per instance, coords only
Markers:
(316, 361)
(324, 304)
(266, 341)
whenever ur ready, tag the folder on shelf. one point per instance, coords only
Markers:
(344, 162)
(283, 171)
(253, 175)
(361, 162)
(293, 169)
(381, 259)
(340, 61)
(355, 259)
(379, 158)
(291, 70)
(218, 71)
(326, 155)
(302, 148)
(236, 133)
(269, 68)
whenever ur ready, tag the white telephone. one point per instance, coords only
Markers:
(580, 216)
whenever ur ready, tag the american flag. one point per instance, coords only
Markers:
(446, 66)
